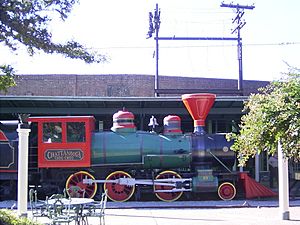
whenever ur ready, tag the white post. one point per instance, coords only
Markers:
(257, 167)
(283, 177)
(241, 168)
(23, 170)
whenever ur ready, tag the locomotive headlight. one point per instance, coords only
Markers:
(201, 153)
(225, 149)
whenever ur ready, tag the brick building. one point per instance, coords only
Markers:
(119, 85)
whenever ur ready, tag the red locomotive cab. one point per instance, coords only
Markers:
(64, 141)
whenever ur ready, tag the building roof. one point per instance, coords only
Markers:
(81, 105)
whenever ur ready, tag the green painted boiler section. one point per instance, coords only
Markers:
(144, 149)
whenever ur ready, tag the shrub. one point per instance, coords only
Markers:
(8, 217)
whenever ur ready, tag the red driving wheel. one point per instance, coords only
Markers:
(226, 191)
(167, 196)
(76, 188)
(117, 192)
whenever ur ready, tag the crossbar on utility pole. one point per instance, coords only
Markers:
(196, 38)
(237, 6)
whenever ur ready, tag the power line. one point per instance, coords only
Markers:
(200, 46)
(195, 10)
(278, 44)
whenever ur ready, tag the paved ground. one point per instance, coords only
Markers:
(226, 216)
(200, 216)
(187, 204)
(200, 204)
(250, 212)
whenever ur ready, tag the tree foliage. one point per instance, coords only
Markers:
(272, 115)
(7, 79)
(25, 22)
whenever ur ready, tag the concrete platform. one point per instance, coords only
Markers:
(265, 212)
(226, 216)
(200, 204)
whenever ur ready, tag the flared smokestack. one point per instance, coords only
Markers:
(198, 106)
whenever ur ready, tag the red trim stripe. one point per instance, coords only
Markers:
(8, 171)
(3, 136)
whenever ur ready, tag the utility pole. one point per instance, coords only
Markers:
(239, 25)
(154, 25)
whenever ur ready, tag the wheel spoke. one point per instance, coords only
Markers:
(76, 188)
(117, 192)
(167, 196)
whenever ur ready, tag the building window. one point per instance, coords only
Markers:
(221, 126)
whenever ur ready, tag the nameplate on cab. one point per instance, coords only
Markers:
(64, 154)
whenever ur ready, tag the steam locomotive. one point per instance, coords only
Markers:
(72, 156)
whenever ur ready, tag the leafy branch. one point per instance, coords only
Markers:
(272, 116)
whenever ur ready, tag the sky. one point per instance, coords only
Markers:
(118, 29)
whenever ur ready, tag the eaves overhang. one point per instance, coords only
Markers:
(85, 105)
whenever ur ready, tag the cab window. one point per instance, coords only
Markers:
(52, 132)
(75, 132)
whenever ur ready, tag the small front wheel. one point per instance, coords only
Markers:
(226, 191)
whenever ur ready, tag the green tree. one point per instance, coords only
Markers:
(272, 115)
(25, 23)
(8, 78)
